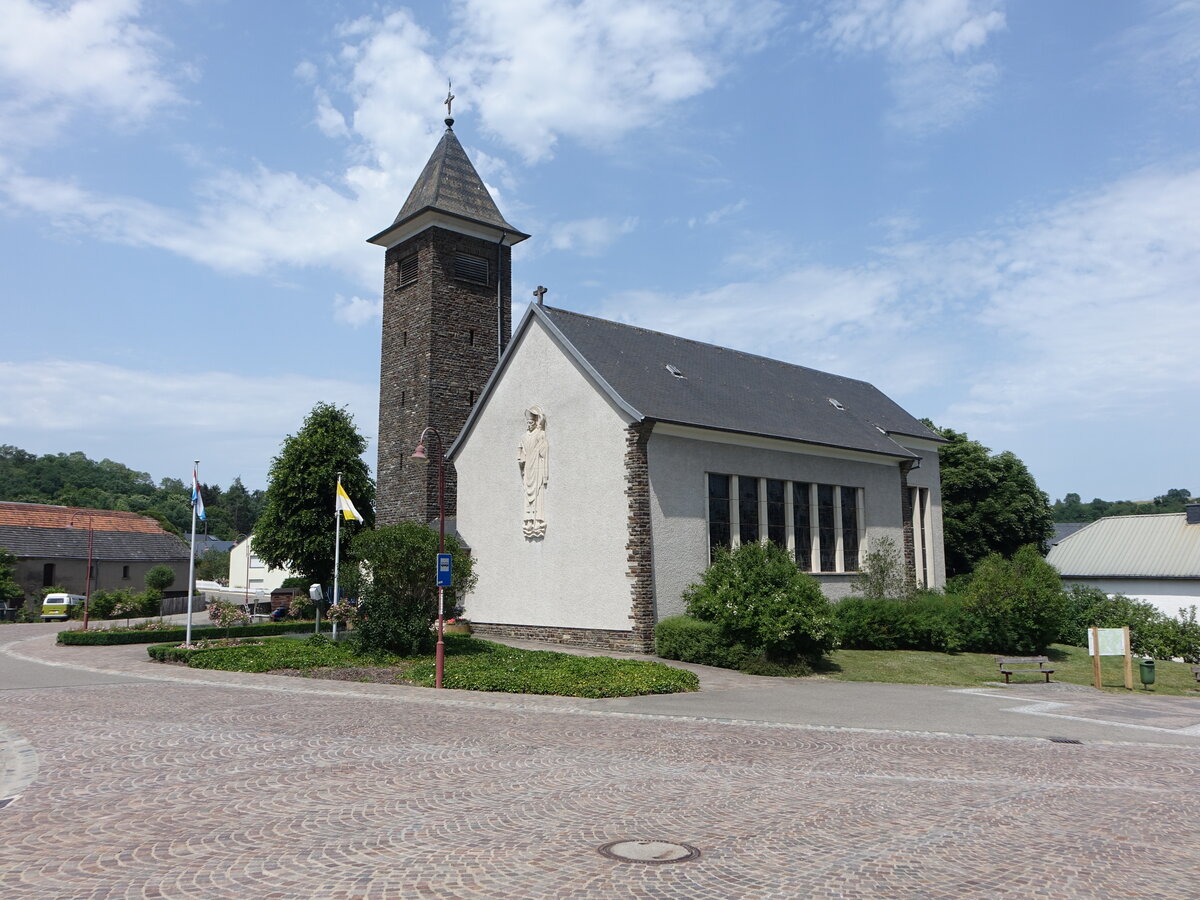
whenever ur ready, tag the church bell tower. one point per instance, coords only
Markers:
(447, 316)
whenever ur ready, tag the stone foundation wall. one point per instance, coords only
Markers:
(595, 638)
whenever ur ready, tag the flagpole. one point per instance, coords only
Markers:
(337, 547)
(192, 557)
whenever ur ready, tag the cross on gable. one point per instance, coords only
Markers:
(540, 293)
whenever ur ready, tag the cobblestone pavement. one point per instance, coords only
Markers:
(297, 789)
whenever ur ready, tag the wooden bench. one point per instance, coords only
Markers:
(1196, 672)
(1010, 665)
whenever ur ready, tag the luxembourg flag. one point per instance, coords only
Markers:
(197, 500)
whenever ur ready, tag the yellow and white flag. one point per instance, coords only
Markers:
(344, 506)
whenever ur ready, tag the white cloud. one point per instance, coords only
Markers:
(1163, 51)
(1078, 312)
(355, 311)
(712, 217)
(245, 224)
(597, 69)
(59, 61)
(232, 421)
(928, 45)
(587, 236)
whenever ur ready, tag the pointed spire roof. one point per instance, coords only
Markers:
(449, 186)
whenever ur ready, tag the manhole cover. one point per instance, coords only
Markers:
(655, 852)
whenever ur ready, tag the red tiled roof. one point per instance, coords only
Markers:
(35, 515)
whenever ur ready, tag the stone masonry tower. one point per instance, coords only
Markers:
(447, 289)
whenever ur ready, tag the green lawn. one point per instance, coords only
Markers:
(1071, 664)
(471, 664)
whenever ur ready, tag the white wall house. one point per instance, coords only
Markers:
(1153, 558)
(659, 449)
(244, 565)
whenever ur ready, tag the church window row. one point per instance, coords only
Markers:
(821, 526)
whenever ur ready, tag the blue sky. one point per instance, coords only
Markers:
(988, 209)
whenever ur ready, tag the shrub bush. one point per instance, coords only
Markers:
(1151, 632)
(1017, 605)
(926, 622)
(759, 599)
(690, 640)
(881, 574)
(393, 577)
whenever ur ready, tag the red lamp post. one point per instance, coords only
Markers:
(419, 453)
(87, 589)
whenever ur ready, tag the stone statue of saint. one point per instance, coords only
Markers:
(534, 458)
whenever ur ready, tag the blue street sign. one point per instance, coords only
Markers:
(443, 570)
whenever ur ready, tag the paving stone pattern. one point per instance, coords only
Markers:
(177, 790)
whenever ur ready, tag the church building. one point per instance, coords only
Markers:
(593, 466)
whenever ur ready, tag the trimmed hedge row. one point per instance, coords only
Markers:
(151, 636)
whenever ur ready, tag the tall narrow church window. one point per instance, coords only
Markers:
(471, 268)
(471, 337)
(826, 528)
(470, 398)
(803, 524)
(849, 529)
(776, 519)
(748, 509)
(718, 511)
(47, 574)
(408, 270)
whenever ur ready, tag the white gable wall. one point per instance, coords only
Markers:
(576, 575)
(679, 499)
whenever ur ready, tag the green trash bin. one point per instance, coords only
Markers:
(1146, 669)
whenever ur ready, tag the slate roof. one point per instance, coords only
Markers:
(724, 389)
(35, 531)
(1065, 530)
(450, 184)
(1158, 546)
(734, 391)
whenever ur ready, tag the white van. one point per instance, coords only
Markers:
(58, 606)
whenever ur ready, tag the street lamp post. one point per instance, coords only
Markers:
(419, 453)
(87, 583)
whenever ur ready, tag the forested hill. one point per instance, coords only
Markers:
(1071, 509)
(71, 479)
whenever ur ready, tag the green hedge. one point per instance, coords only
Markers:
(149, 636)
(926, 622)
(692, 640)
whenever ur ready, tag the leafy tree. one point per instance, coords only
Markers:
(1071, 509)
(213, 566)
(760, 600)
(296, 528)
(1018, 602)
(10, 591)
(990, 503)
(159, 578)
(393, 575)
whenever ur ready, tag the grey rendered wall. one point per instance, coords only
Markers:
(679, 496)
(577, 575)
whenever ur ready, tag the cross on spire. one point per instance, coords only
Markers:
(449, 100)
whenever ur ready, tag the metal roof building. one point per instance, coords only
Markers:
(1155, 558)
